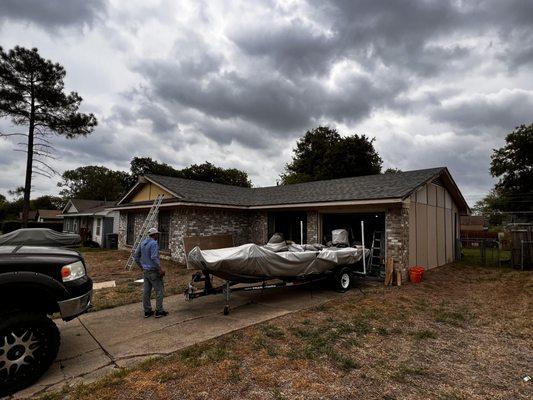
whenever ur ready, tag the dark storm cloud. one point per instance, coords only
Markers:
(294, 49)
(268, 100)
(52, 14)
(338, 64)
(501, 111)
(395, 33)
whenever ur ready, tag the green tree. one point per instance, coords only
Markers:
(145, 165)
(208, 172)
(94, 183)
(47, 203)
(392, 171)
(32, 95)
(324, 154)
(490, 207)
(3, 204)
(512, 164)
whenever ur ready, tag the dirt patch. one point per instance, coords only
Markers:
(109, 265)
(463, 333)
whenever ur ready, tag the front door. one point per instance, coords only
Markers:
(97, 229)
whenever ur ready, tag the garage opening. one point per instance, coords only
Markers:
(292, 224)
(352, 223)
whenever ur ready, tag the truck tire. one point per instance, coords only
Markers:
(342, 279)
(29, 343)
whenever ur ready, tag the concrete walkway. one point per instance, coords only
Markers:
(99, 343)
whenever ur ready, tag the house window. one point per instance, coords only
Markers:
(75, 227)
(98, 226)
(130, 229)
(164, 229)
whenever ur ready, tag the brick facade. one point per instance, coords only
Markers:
(312, 227)
(252, 227)
(258, 227)
(243, 225)
(397, 237)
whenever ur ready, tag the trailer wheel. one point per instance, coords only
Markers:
(226, 310)
(342, 280)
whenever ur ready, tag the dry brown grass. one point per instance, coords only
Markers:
(463, 333)
(108, 265)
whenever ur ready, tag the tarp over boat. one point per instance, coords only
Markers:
(251, 261)
(39, 237)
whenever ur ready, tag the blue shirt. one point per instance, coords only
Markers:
(147, 254)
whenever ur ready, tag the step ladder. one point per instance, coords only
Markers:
(148, 223)
(376, 254)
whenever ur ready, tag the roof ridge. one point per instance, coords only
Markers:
(296, 184)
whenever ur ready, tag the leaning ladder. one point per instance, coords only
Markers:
(374, 261)
(147, 224)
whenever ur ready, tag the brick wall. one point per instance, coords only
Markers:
(258, 227)
(312, 227)
(397, 237)
(192, 221)
(123, 226)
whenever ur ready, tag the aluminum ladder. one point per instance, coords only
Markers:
(143, 233)
(374, 259)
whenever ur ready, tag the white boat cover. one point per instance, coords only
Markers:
(253, 261)
(39, 237)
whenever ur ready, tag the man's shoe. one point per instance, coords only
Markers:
(148, 314)
(159, 314)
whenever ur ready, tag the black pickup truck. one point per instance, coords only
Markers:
(36, 282)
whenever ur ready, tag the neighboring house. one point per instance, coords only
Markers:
(32, 215)
(91, 219)
(49, 216)
(473, 223)
(417, 211)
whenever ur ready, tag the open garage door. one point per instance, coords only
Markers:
(292, 224)
(352, 223)
(373, 222)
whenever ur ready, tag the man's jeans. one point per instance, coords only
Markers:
(152, 279)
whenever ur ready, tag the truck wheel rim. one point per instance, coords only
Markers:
(345, 280)
(16, 351)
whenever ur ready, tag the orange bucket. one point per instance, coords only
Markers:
(416, 274)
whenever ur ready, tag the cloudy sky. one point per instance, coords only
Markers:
(237, 82)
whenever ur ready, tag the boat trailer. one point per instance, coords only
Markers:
(342, 283)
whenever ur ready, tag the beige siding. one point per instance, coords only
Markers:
(432, 195)
(149, 191)
(449, 231)
(440, 196)
(421, 195)
(421, 235)
(447, 200)
(432, 236)
(412, 234)
(432, 213)
(441, 237)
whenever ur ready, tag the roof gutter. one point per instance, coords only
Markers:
(263, 207)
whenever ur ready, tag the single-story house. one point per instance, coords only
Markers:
(91, 219)
(49, 216)
(417, 212)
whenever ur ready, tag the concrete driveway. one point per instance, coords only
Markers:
(99, 343)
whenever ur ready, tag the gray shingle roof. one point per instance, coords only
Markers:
(91, 206)
(369, 187)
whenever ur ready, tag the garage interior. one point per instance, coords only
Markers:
(292, 224)
(352, 223)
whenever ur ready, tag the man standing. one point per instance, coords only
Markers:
(147, 257)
